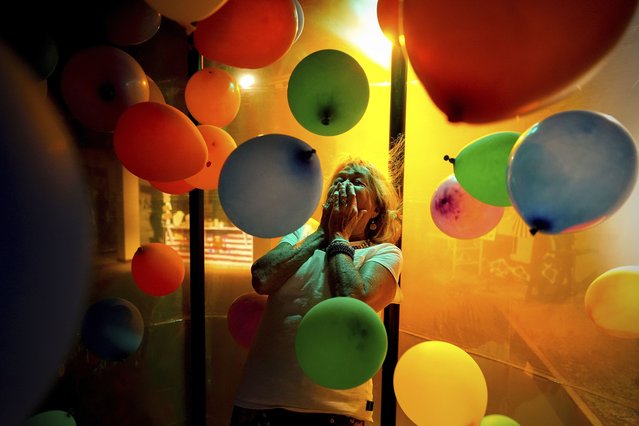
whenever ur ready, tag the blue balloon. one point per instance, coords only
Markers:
(112, 329)
(45, 243)
(571, 171)
(270, 185)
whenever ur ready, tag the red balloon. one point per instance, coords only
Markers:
(247, 33)
(212, 96)
(244, 316)
(492, 60)
(177, 187)
(157, 269)
(99, 83)
(388, 17)
(159, 142)
(220, 145)
(131, 22)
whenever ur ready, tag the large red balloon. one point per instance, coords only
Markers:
(244, 316)
(490, 60)
(159, 142)
(157, 269)
(177, 187)
(388, 17)
(247, 33)
(212, 96)
(219, 145)
(99, 83)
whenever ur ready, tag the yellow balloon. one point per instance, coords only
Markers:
(186, 11)
(439, 384)
(612, 302)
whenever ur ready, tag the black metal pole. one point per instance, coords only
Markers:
(196, 396)
(391, 312)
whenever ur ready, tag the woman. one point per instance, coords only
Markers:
(352, 254)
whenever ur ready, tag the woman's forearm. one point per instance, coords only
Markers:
(344, 278)
(273, 269)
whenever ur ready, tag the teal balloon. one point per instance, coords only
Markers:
(328, 92)
(270, 185)
(51, 418)
(498, 420)
(341, 343)
(481, 167)
(112, 329)
(571, 171)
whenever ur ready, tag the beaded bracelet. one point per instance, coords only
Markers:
(340, 246)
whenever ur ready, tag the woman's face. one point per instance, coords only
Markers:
(360, 178)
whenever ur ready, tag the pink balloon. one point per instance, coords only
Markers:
(99, 83)
(244, 316)
(459, 215)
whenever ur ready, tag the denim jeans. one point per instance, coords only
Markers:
(281, 417)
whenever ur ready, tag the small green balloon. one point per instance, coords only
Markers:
(341, 343)
(481, 167)
(498, 420)
(328, 92)
(51, 418)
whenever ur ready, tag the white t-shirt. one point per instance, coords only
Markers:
(272, 377)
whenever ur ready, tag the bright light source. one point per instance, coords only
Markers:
(246, 81)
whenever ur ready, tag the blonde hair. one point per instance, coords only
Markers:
(389, 220)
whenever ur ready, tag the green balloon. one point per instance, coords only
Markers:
(481, 167)
(341, 343)
(328, 92)
(498, 420)
(51, 418)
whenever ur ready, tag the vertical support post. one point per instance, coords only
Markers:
(197, 352)
(391, 312)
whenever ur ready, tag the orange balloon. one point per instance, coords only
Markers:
(220, 145)
(99, 83)
(155, 93)
(495, 59)
(212, 96)
(159, 142)
(388, 17)
(157, 269)
(244, 316)
(247, 33)
(177, 187)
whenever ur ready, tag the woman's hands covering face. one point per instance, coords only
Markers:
(340, 214)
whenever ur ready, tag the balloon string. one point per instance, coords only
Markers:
(449, 159)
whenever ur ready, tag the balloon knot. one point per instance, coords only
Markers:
(326, 117)
(533, 231)
(106, 92)
(449, 159)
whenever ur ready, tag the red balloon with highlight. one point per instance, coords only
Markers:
(244, 316)
(157, 269)
(158, 142)
(247, 33)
